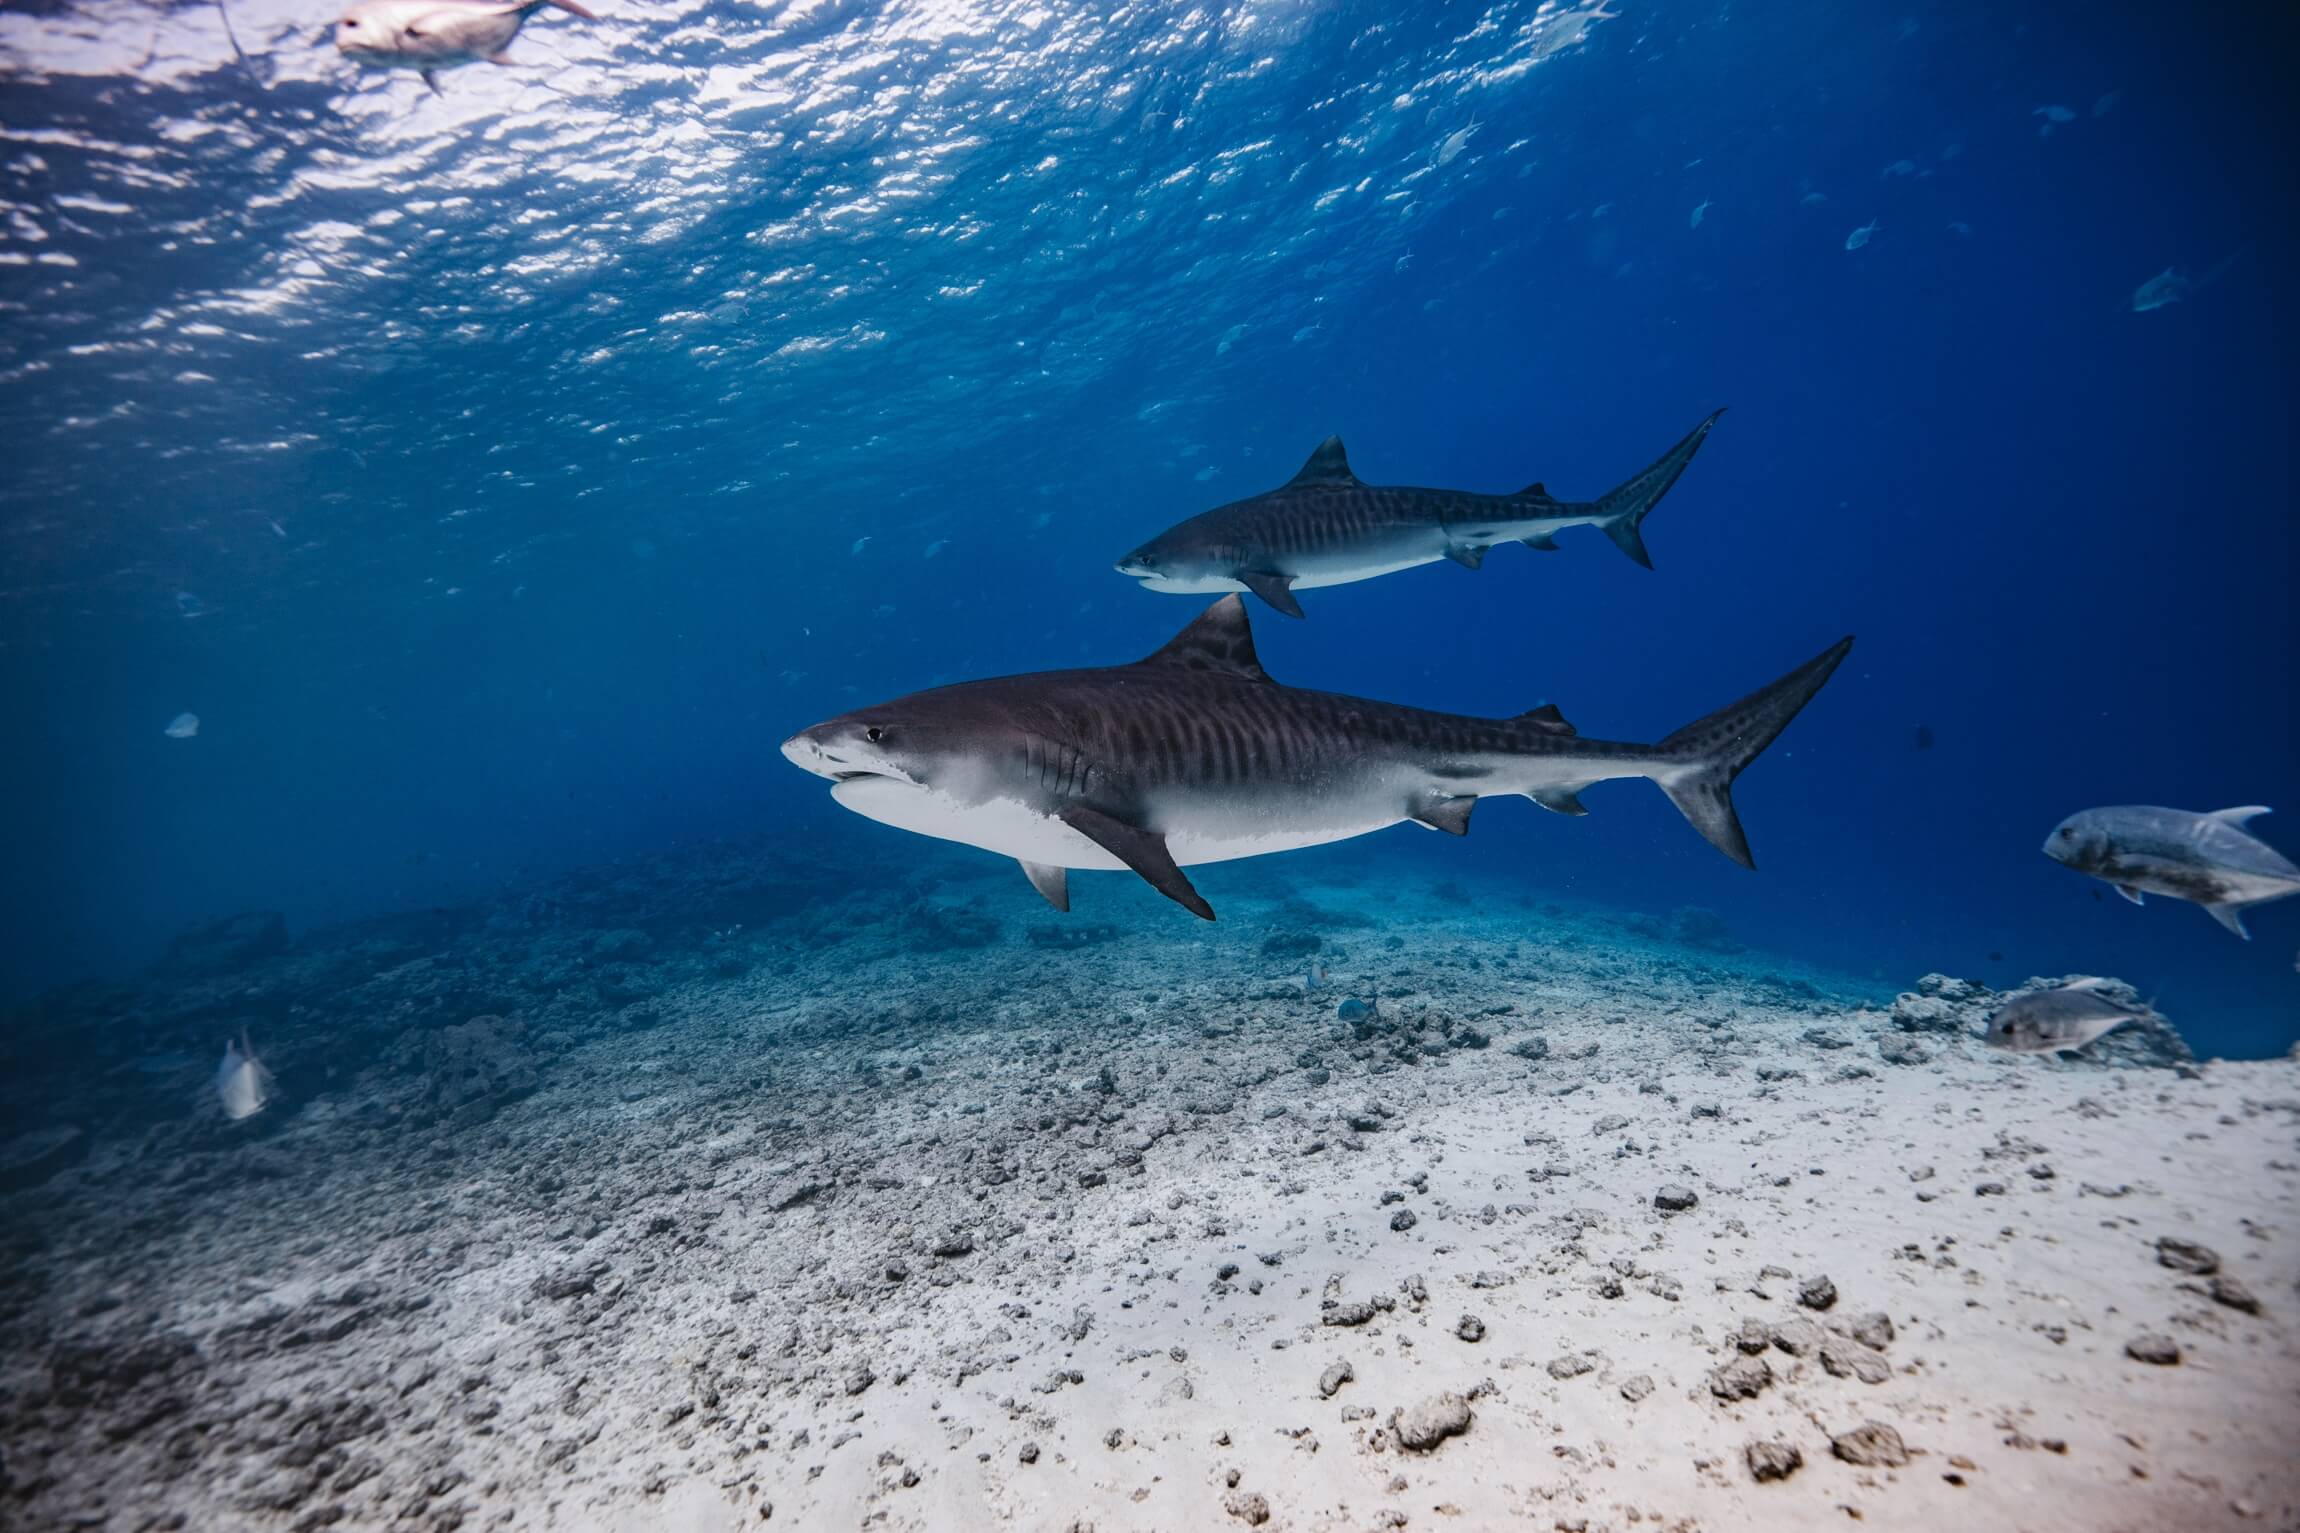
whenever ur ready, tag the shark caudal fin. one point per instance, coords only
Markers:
(1621, 511)
(1701, 760)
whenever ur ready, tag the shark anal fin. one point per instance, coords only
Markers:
(1540, 542)
(2230, 916)
(1448, 812)
(1558, 800)
(1217, 639)
(1547, 719)
(1466, 555)
(1277, 590)
(2130, 893)
(1053, 883)
(1142, 850)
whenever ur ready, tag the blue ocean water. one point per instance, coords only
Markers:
(500, 476)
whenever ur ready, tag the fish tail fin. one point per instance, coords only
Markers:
(1700, 761)
(1622, 510)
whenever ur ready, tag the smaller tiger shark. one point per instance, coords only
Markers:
(1327, 527)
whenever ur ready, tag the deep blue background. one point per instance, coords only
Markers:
(2060, 528)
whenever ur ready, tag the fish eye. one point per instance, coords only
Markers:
(2067, 833)
(874, 734)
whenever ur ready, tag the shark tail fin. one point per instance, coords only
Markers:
(1701, 760)
(1622, 511)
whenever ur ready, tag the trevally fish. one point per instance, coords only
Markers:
(242, 1082)
(431, 35)
(1195, 755)
(1326, 527)
(2044, 1021)
(2208, 859)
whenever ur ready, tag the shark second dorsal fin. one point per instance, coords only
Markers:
(1218, 639)
(1546, 718)
(1328, 465)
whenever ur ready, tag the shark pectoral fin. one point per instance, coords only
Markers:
(1443, 811)
(1547, 719)
(1142, 850)
(2238, 816)
(2230, 916)
(1465, 555)
(1054, 883)
(1277, 590)
(1540, 542)
(2130, 893)
(1559, 800)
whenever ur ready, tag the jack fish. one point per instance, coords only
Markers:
(2207, 859)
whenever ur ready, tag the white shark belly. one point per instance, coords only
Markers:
(1012, 828)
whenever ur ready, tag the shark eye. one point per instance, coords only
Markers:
(874, 734)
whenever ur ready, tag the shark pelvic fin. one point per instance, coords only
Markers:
(1277, 590)
(1328, 465)
(1547, 719)
(1217, 639)
(431, 81)
(2230, 916)
(1466, 555)
(2131, 894)
(1054, 883)
(1543, 543)
(1559, 800)
(1443, 811)
(2238, 816)
(1142, 850)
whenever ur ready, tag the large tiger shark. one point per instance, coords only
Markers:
(1326, 527)
(1195, 755)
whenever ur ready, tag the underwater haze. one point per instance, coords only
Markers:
(729, 736)
(499, 476)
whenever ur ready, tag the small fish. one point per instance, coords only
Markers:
(936, 547)
(2053, 117)
(2207, 859)
(183, 726)
(862, 543)
(2046, 1021)
(1924, 737)
(1700, 213)
(431, 35)
(241, 1080)
(189, 605)
(1316, 978)
(1899, 168)
(1453, 144)
(2167, 286)
(1961, 229)
(1355, 1010)
(2107, 104)
(1862, 235)
(1812, 199)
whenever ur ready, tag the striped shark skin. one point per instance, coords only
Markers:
(1327, 527)
(1194, 755)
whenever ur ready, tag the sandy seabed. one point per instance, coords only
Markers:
(881, 1212)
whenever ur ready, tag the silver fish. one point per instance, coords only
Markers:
(1355, 1010)
(1327, 527)
(242, 1082)
(2207, 859)
(1195, 755)
(2070, 1017)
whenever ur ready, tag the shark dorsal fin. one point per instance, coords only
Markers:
(1218, 639)
(1328, 465)
(2237, 816)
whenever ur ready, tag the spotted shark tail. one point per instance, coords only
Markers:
(1701, 760)
(1622, 511)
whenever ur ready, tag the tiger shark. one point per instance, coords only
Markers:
(1194, 755)
(1327, 527)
